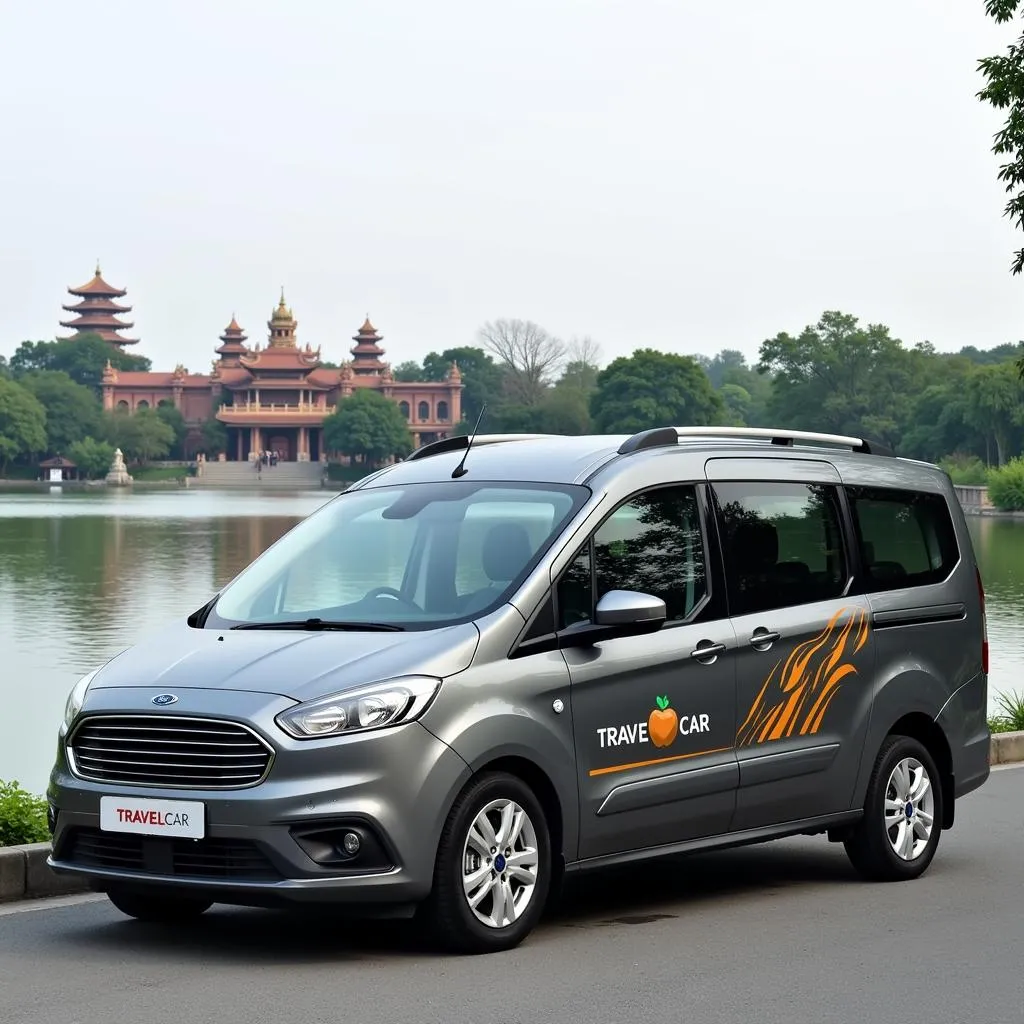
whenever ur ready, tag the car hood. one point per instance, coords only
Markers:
(299, 665)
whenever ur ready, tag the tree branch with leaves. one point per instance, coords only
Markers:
(1004, 90)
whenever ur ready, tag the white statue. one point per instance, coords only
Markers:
(118, 475)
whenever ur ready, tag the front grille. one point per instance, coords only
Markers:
(177, 753)
(229, 859)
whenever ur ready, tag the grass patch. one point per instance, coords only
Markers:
(22, 816)
(1012, 717)
(151, 473)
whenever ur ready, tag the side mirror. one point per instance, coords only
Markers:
(631, 611)
(618, 613)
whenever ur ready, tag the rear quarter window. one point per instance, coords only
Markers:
(906, 538)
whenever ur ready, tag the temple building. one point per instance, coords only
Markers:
(271, 397)
(98, 312)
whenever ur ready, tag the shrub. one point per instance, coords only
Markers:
(1006, 486)
(966, 470)
(1012, 717)
(22, 816)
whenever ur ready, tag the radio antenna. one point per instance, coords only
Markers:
(460, 469)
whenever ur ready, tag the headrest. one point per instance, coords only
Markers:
(869, 552)
(755, 545)
(506, 551)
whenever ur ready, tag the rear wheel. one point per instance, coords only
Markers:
(493, 869)
(903, 812)
(161, 908)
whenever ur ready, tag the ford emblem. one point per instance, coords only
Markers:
(163, 699)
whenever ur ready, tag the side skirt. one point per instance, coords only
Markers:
(833, 824)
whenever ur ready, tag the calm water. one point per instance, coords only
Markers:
(82, 576)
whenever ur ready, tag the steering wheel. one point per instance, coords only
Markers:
(393, 594)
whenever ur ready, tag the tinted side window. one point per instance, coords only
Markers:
(652, 544)
(782, 543)
(906, 538)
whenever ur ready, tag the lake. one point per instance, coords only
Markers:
(83, 575)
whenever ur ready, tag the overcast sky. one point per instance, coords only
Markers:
(679, 174)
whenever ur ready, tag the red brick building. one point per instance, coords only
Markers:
(269, 397)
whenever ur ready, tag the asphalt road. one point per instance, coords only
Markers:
(778, 933)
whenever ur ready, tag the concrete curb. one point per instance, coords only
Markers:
(1006, 747)
(24, 873)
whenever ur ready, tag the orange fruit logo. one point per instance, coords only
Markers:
(663, 725)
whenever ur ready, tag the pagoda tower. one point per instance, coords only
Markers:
(282, 326)
(98, 312)
(367, 353)
(232, 346)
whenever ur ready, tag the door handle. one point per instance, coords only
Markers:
(762, 639)
(707, 654)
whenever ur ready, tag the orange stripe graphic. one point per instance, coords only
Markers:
(657, 760)
(793, 701)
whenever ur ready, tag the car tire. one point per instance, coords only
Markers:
(903, 813)
(492, 873)
(162, 908)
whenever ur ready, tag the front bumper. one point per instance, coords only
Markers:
(276, 842)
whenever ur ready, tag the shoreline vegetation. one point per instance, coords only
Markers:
(23, 814)
(961, 409)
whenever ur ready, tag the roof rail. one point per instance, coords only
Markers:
(661, 437)
(461, 441)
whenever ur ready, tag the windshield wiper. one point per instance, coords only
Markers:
(318, 624)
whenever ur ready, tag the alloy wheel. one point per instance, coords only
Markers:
(909, 808)
(500, 863)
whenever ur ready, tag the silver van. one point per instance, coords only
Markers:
(508, 658)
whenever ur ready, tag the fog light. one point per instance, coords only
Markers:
(351, 843)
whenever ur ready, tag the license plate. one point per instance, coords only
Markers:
(185, 819)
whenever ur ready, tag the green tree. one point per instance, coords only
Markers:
(141, 436)
(482, 378)
(22, 423)
(367, 426)
(840, 377)
(937, 418)
(651, 389)
(1004, 90)
(215, 436)
(737, 403)
(92, 457)
(82, 359)
(995, 405)
(170, 414)
(409, 371)
(72, 410)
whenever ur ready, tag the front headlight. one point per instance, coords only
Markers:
(359, 710)
(76, 698)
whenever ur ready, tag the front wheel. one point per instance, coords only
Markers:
(493, 869)
(158, 908)
(903, 813)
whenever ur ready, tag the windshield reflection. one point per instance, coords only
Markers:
(413, 557)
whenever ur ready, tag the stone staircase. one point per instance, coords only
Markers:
(285, 476)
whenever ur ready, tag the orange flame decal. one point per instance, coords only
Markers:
(797, 693)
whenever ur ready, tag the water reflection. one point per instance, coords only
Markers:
(1000, 547)
(83, 576)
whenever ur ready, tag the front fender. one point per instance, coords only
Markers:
(504, 710)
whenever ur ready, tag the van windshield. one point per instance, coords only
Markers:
(412, 557)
